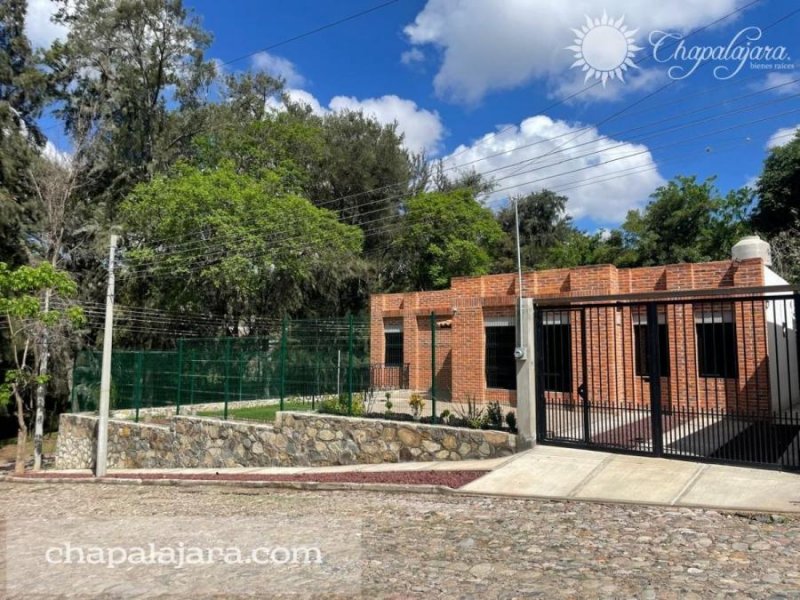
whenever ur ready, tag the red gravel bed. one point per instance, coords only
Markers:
(451, 479)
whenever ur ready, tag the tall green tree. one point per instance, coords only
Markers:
(686, 221)
(364, 173)
(543, 226)
(443, 235)
(223, 243)
(778, 190)
(26, 296)
(136, 70)
(22, 96)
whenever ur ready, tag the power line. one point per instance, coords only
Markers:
(220, 249)
(314, 31)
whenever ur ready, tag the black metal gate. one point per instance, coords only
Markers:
(707, 378)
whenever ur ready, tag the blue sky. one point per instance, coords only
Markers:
(455, 72)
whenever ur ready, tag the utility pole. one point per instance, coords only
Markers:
(38, 432)
(520, 337)
(105, 374)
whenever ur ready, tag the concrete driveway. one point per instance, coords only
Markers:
(567, 473)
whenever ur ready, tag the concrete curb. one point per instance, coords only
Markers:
(383, 488)
(292, 485)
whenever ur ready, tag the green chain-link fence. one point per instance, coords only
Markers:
(304, 362)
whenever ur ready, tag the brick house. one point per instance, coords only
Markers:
(715, 353)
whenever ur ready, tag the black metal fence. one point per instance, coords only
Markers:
(703, 378)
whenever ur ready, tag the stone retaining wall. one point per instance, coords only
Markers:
(296, 439)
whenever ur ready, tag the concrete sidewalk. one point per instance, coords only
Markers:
(553, 472)
(565, 473)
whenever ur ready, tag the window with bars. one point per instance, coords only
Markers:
(393, 345)
(717, 354)
(557, 356)
(641, 347)
(501, 366)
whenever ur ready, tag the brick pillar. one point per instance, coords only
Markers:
(467, 351)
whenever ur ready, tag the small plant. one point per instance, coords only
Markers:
(444, 416)
(334, 405)
(417, 404)
(471, 414)
(388, 397)
(494, 415)
(389, 406)
(511, 421)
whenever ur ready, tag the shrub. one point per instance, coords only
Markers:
(511, 421)
(333, 405)
(469, 414)
(494, 415)
(417, 404)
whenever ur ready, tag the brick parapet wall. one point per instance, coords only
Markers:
(470, 299)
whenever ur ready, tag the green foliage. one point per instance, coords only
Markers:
(444, 235)
(511, 421)
(686, 221)
(364, 171)
(21, 306)
(494, 415)
(778, 189)
(338, 405)
(145, 102)
(470, 414)
(22, 96)
(543, 227)
(272, 249)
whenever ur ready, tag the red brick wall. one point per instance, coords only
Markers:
(610, 353)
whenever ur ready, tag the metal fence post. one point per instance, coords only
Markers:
(433, 367)
(138, 382)
(227, 377)
(655, 377)
(191, 376)
(180, 377)
(241, 373)
(350, 365)
(283, 362)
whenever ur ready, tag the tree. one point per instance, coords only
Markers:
(137, 67)
(443, 235)
(31, 322)
(22, 95)
(686, 221)
(364, 173)
(543, 226)
(779, 190)
(219, 242)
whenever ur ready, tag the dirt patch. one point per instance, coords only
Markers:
(451, 479)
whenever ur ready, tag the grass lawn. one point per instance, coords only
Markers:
(257, 413)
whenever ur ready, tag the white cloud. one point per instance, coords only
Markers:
(782, 137)
(422, 129)
(277, 66)
(414, 55)
(787, 81)
(488, 46)
(54, 155)
(563, 155)
(39, 28)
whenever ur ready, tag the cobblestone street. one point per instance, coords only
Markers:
(418, 545)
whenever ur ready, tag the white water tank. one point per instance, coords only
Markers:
(752, 246)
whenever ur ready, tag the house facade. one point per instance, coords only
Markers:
(713, 353)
